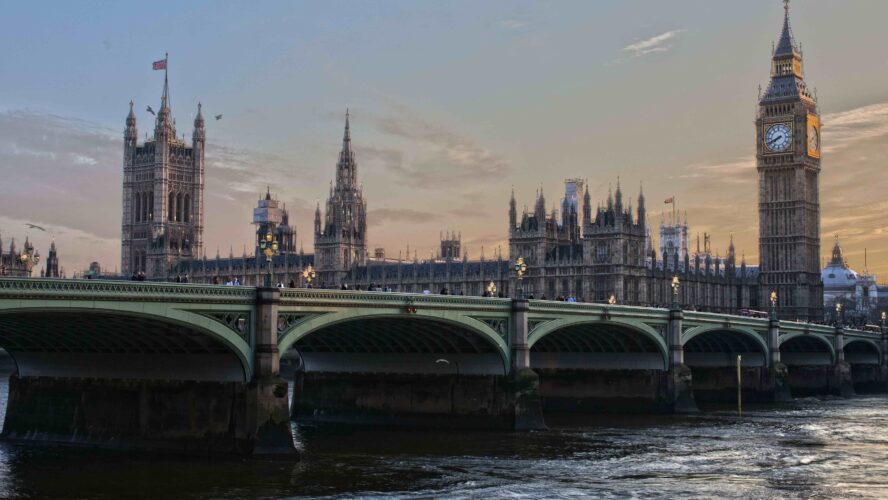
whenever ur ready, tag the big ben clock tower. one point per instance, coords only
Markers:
(788, 163)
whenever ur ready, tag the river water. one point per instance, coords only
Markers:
(812, 449)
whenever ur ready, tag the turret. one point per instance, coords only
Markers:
(131, 134)
(318, 220)
(199, 125)
(642, 212)
(513, 213)
(587, 207)
(618, 202)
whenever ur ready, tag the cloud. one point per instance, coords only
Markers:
(450, 160)
(513, 24)
(381, 216)
(658, 43)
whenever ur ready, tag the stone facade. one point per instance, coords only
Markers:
(11, 263)
(163, 185)
(788, 157)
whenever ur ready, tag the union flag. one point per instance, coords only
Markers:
(162, 64)
(671, 199)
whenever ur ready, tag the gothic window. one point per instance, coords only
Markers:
(138, 208)
(186, 211)
(171, 210)
(179, 208)
(150, 206)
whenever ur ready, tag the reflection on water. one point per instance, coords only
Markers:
(821, 449)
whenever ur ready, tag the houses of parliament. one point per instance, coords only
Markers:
(589, 250)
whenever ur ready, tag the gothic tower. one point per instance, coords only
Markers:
(52, 262)
(788, 161)
(340, 241)
(163, 183)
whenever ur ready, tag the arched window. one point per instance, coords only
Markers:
(179, 207)
(137, 210)
(186, 209)
(150, 207)
(171, 207)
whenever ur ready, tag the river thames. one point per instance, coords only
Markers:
(813, 449)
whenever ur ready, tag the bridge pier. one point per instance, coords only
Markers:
(777, 371)
(842, 380)
(680, 387)
(524, 383)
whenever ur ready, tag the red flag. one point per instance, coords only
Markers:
(162, 64)
(671, 199)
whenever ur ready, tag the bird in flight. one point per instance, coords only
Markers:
(151, 111)
(218, 117)
(35, 226)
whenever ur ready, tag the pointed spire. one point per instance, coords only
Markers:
(267, 193)
(199, 119)
(131, 117)
(346, 135)
(786, 46)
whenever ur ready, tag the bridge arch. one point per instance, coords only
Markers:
(600, 336)
(121, 340)
(862, 352)
(729, 340)
(809, 349)
(426, 332)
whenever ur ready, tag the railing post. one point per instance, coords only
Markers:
(523, 381)
(266, 358)
(519, 352)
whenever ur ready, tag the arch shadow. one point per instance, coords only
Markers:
(597, 344)
(123, 343)
(405, 343)
(714, 345)
(799, 349)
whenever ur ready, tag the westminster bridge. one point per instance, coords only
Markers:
(198, 367)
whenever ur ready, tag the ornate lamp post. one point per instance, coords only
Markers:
(269, 247)
(838, 313)
(882, 324)
(612, 300)
(491, 289)
(773, 304)
(520, 269)
(309, 275)
(30, 259)
(675, 288)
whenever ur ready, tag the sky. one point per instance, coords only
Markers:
(452, 105)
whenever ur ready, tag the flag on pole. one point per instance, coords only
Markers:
(162, 64)
(671, 199)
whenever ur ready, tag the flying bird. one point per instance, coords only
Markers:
(151, 111)
(218, 117)
(35, 226)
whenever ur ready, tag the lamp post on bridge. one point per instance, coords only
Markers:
(491, 289)
(839, 321)
(309, 275)
(269, 247)
(773, 305)
(29, 258)
(520, 269)
(675, 288)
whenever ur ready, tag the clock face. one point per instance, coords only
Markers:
(813, 139)
(778, 137)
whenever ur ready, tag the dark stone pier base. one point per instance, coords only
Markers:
(194, 417)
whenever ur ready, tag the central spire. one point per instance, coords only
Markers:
(786, 46)
(165, 99)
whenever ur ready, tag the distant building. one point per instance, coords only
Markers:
(861, 297)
